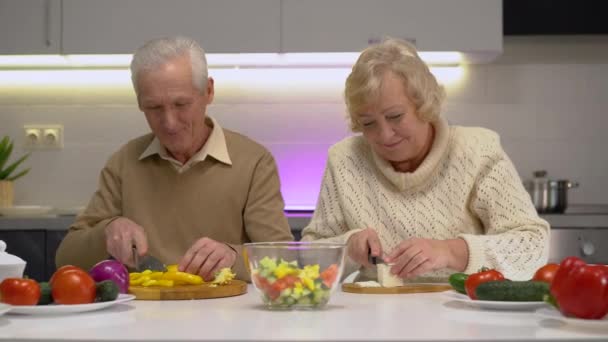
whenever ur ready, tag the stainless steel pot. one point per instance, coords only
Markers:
(549, 196)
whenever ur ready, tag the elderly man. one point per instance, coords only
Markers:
(190, 192)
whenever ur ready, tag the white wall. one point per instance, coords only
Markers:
(546, 97)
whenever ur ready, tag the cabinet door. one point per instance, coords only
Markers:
(53, 239)
(220, 26)
(350, 25)
(30, 246)
(30, 27)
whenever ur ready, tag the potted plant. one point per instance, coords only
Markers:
(8, 172)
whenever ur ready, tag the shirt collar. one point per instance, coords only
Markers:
(215, 146)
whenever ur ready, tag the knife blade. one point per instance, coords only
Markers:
(147, 262)
(374, 260)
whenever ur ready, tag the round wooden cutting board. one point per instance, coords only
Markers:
(408, 288)
(182, 292)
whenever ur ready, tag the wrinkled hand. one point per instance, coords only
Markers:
(414, 257)
(121, 235)
(207, 256)
(359, 244)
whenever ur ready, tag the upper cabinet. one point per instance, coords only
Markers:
(473, 27)
(120, 26)
(470, 26)
(30, 27)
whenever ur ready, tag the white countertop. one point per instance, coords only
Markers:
(348, 317)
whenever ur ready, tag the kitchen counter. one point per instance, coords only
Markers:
(348, 317)
(46, 222)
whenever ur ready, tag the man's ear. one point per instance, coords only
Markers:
(210, 90)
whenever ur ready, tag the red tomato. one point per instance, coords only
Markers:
(284, 283)
(73, 286)
(17, 291)
(546, 273)
(63, 269)
(329, 275)
(480, 277)
(260, 282)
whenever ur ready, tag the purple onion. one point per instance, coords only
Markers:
(111, 270)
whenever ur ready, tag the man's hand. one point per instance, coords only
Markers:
(207, 256)
(414, 257)
(359, 245)
(121, 235)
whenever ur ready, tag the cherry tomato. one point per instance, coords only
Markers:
(73, 286)
(546, 273)
(480, 277)
(18, 291)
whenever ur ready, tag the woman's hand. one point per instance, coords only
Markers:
(360, 244)
(414, 257)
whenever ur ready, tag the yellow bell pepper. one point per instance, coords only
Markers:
(172, 268)
(160, 282)
(309, 283)
(284, 270)
(183, 277)
(139, 280)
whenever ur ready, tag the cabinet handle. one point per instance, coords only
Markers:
(47, 13)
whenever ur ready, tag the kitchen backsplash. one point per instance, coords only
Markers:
(546, 97)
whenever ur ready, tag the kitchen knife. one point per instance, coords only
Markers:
(147, 262)
(374, 260)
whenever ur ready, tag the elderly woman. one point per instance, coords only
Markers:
(429, 198)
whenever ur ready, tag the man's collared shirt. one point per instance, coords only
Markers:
(215, 146)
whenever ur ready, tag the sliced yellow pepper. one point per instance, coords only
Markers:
(174, 277)
(155, 282)
(156, 275)
(139, 280)
(191, 279)
(284, 270)
(308, 283)
(172, 268)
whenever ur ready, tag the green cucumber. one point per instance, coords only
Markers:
(457, 281)
(512, 291)
(45, 294)
(106, 291)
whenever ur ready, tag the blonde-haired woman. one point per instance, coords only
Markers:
(427, 197)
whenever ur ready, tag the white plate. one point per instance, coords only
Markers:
(4, 308)
(494, 305)
(552, 313)
(25, 210)
(66, 309)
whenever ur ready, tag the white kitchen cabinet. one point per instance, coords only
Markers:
(30, 27)
(350, 25)
(120, 26)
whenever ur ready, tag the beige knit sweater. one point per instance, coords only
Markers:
(466, 188)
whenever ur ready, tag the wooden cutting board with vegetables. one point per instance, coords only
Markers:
(181, 292)
(175, 285)
(409, 288)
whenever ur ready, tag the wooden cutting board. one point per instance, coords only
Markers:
(182, 292)
(408, 288)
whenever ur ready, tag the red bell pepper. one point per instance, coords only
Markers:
(581, 290)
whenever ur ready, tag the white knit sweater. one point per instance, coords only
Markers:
(467, 187)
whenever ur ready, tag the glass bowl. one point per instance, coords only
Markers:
(295, 275)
